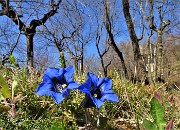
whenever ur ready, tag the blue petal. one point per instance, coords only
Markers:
(94, 79)
(54, 72)
(107, 92)
(43, 89)
(110, 97)
(69, 74)
(97, 102)
(57, 97)
(107, 85)
(71, 86)
(100, 81)
(46, 79)
(85, 87)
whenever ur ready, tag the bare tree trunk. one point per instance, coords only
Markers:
(149, 62)
(112, 42)
(101, 55)
(159, 47)
(120, 55)
(140, 71)
(155, 63)
(150, 58)
(159, 55)
(82, 58)
(82, 66)
(29, 31)
(29, 39)
(76, 66)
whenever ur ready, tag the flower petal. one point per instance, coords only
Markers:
(54, 72)
(107, 92)
(69, 74)
(97, 102)
(71, 86)
(57, 97)
(100, 81)
(94, 79)
(107, 85)
(46, 79)
(110, 97)
(43, 89)
(85, 87)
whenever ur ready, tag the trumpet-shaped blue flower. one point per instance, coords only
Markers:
(97, 90)
(57, 83)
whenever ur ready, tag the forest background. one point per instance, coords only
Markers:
(137, 39)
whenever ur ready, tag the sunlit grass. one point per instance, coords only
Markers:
(34, 112)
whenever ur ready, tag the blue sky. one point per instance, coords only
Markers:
(119, 23)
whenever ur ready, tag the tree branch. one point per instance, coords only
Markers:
(112, 42)
(166, 23)
(142, 35)
(151, 18)
(35, 23)
(12, 14)
(11, 50)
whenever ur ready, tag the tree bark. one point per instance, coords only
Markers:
(29, 39)
(82, 57)
(150, 57)
(158, 71)
(29, 31)
(112, 42)
(119, 53)
(159, 55)
(140, 71)
(76, 66)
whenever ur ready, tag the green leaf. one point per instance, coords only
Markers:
(4, 108)
(62, 60)
(149, 125)
(24, 73)
(157, 112)
(1, 96)
(5, 89)
(13, 60)
(14, 85)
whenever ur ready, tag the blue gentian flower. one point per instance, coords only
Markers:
(97, 90)
(57, 83)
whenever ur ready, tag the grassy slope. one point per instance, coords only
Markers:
(33, 112)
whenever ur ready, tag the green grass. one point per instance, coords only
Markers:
(34, 112)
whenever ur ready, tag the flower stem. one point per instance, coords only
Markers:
(88, 117)
(98, 123)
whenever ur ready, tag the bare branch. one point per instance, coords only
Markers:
(108, 65)
(151, 21)
(111, 38)
(151, 18)
(142, 35)
(11, 50)
(166, 23)
(35, 23)
(105, 51)
(17, 41)
(142, 10)
(12, 14)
